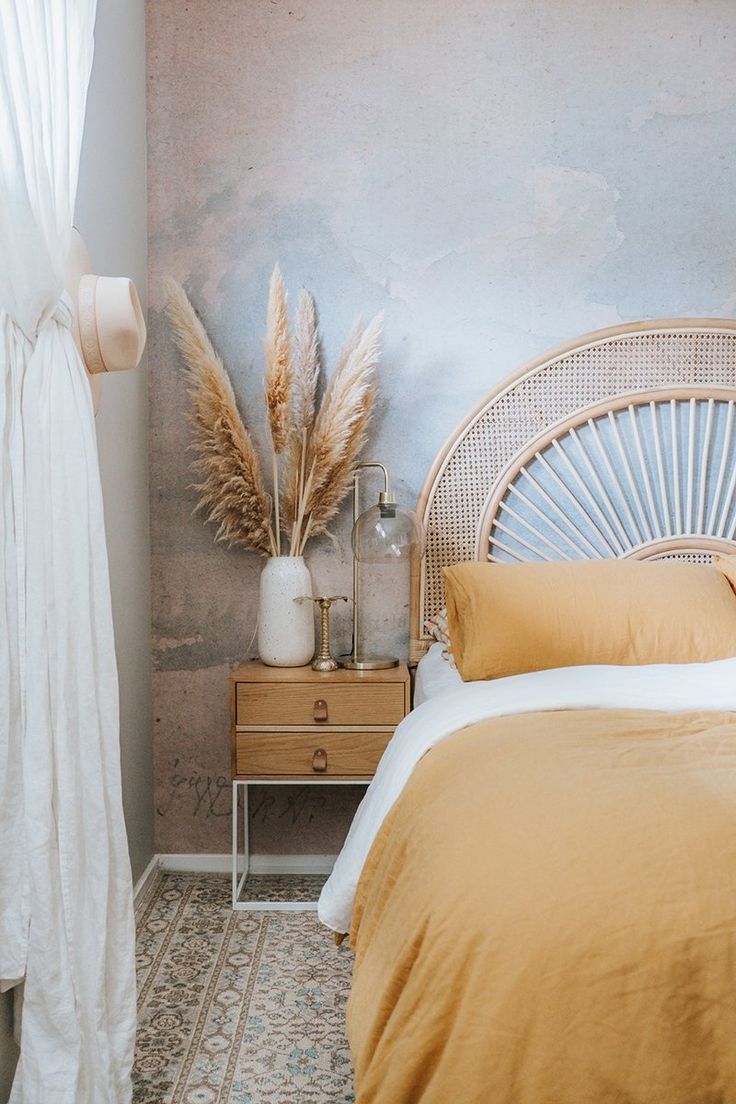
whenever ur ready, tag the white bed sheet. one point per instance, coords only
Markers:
(435, 675)
(676, 688)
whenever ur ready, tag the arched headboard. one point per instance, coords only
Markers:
(620, 443)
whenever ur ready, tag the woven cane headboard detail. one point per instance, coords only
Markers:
(641, 367)
(643, 475)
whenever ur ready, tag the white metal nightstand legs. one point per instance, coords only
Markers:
(241, 864)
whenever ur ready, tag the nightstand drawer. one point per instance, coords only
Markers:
(314, 704)
(308, 754)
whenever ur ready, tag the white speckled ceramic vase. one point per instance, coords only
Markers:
(285, 625)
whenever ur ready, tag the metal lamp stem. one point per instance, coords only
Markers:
(356, 614)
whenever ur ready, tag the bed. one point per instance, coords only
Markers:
(540, 884)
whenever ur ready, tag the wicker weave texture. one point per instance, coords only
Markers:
(634, 477)
(674, 355)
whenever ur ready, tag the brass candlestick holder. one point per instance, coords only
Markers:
(323, 661)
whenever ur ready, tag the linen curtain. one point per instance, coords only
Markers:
(66, 922)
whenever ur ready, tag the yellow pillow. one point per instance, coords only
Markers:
(727, 564)
(505, 619)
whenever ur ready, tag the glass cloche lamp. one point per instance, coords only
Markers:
(384, 534)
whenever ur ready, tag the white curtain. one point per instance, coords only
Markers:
(66, 921)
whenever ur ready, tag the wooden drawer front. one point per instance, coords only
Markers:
(313, 754)
(305, 704)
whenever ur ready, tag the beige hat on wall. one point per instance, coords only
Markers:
(112, 330)
(109, 326)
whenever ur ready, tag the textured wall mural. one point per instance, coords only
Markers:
(495, 177)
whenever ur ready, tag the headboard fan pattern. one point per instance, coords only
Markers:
(621, 444)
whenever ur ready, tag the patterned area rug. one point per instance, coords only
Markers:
(238, 1007)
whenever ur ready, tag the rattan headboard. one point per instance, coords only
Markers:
(620, 443)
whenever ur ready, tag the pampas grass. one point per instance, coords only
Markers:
(306, 371)
(232, 492)
(277, 345)
(306, 361)
(340, 432)
(319, 447)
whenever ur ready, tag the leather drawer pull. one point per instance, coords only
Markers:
(320, 711)
(319, 761)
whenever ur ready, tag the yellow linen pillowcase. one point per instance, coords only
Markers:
(505, 619)
(727, 564)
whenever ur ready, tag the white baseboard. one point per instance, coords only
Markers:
(141, 885)
(259, 864)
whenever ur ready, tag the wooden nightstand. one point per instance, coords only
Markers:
(292, 725)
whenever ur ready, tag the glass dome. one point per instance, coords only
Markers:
(386, 533)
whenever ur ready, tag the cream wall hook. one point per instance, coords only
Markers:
(112, 330)
(109, 325)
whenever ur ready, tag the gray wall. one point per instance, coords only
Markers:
(497, 177)
(111, 214)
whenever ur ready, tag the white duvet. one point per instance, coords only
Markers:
(674, 688)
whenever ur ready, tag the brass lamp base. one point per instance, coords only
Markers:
(367, 663)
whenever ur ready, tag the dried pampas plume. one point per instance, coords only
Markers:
(306, 372)
(232, 491)
(320, 447)
(306, 361)
(340, 431)
(277, 344)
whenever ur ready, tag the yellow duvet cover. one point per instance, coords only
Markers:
(548, 916)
